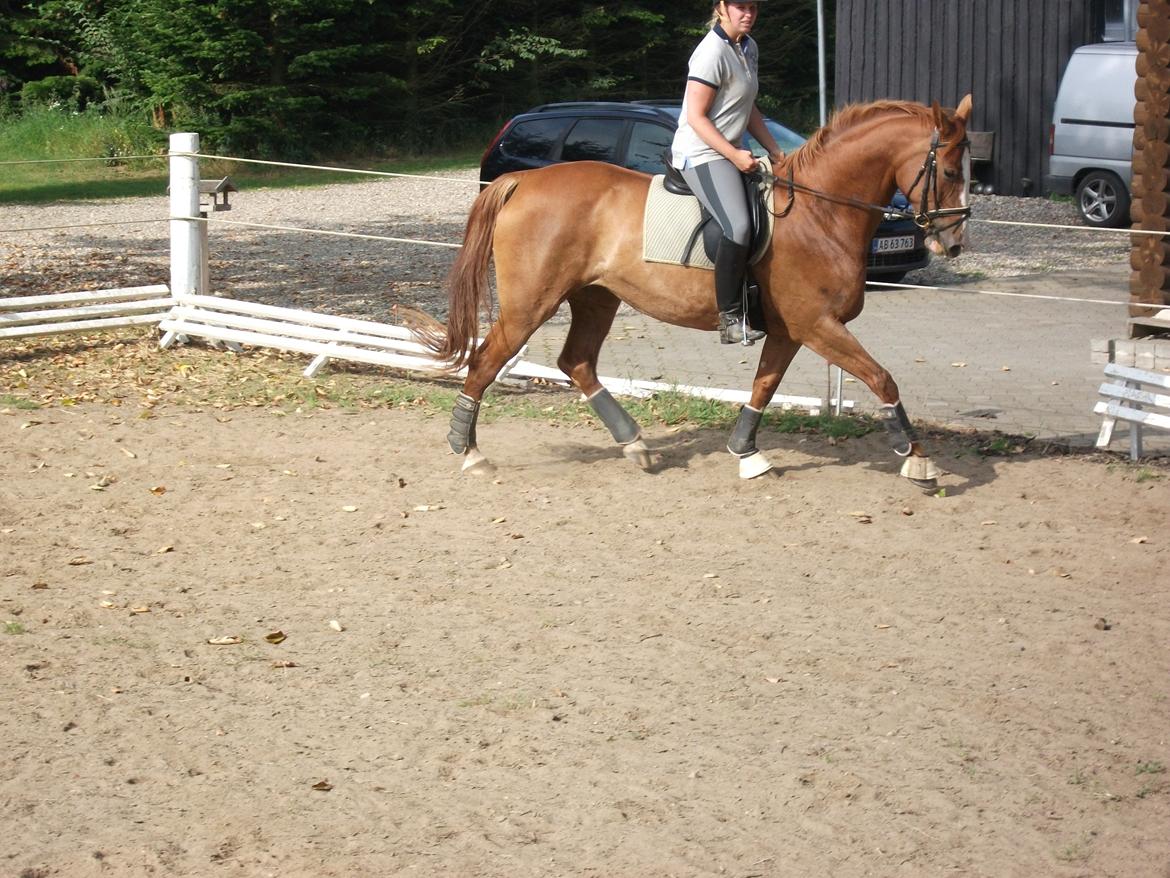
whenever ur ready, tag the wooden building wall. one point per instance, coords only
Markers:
(1009, 54)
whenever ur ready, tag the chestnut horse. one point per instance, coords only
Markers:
(571, 232)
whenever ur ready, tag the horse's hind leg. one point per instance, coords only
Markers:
(503, 341)
(593, 311)
(839, 346)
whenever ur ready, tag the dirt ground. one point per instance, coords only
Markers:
(570, 667)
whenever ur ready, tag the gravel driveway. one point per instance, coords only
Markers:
(365, 278)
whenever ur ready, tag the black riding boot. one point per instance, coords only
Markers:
(730, 264)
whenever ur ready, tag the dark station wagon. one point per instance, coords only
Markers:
(635, 135)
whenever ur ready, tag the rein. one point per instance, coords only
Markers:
(924, 218)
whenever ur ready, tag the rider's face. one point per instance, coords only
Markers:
(737, 18)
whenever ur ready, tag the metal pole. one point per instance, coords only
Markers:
(184, 203)
(821, 59)
(824, 108)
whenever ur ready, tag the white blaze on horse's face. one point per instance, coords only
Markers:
(950, 238)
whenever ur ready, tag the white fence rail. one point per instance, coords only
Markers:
(86, 311)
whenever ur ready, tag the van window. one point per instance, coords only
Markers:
(535, 139)
(1116, 13)
(594, 139)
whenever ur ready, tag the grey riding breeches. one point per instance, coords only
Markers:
(719, 186)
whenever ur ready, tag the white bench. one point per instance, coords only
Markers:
(1124, 401)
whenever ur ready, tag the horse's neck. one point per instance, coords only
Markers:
(861, 161)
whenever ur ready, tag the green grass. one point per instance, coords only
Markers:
(13, 628)
(43, 133)
(15, 402)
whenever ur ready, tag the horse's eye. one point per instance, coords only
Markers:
(951, 174)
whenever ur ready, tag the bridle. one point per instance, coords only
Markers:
(924, 217)
(928, 176)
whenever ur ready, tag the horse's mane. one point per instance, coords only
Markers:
(846, 118)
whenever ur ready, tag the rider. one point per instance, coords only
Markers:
(719, 104)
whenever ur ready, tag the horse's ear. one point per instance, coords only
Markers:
(963, 113)
(940, 118)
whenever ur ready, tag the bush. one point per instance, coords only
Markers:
(67, 92)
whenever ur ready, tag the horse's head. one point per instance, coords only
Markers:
(937, 184)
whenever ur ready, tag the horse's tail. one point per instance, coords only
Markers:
(467, 283)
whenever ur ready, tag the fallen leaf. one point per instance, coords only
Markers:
(1139, 540)
(883, 627)
(349, 509)
(958, 365)
(1102, 625)
(140, 610)
(773, 679)
(989, 522)
(323, 786)
(108, 605)
(335, 625)
(79, 561)
(499, 520)
(130, 454)
(158, 490)
(285, 664)
(40, 585)
(276, 637)
(230, 640)
(427, 508)
(906, 510)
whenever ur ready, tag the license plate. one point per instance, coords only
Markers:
(894, 244)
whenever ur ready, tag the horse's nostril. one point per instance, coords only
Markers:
(954, 251)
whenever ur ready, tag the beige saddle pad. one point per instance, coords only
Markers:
(670, 221)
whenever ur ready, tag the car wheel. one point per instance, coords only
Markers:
(1103, 200)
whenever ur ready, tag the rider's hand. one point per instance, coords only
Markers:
(745, 161)
(776, 158)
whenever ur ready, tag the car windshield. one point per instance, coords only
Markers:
(787, 139)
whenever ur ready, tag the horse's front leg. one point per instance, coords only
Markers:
(777, 354)
(841, 348)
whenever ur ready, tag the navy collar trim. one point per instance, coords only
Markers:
(722, 34)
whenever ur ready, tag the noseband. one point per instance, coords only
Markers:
(924, 217)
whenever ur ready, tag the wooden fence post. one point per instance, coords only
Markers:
(184, 198)
(1150, 254)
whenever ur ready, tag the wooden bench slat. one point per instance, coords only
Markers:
(1141, 375)
(1133, 394)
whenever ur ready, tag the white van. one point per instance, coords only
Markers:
(1090, 144)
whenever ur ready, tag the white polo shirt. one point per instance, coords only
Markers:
(732, 69)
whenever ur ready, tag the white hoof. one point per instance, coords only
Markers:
(476, 464)
(753, 465)
(638, 453)
(920, 469)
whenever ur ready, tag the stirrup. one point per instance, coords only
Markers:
(733, 329)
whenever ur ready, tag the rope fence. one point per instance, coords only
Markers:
(194, 156)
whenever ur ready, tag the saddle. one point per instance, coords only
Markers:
(757, 199)
(675, 220)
